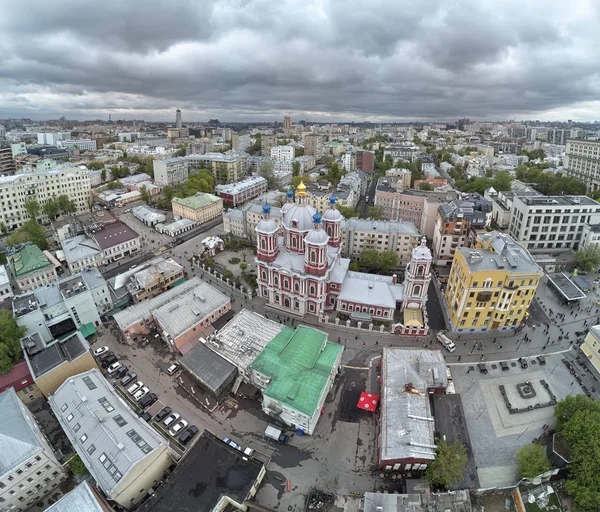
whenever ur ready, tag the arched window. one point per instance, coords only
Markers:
(263, 244)
(264, 275)
(487, 283)
(296, 286)
(312, 289)
(294, 242)
(420, 270)
(329, 230)
(417, 290)
(313, 256)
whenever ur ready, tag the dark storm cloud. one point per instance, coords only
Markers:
(252, 59)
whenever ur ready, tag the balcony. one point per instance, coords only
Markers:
(510, 286)
(484, 296)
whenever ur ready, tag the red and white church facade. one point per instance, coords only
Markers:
(301, 271)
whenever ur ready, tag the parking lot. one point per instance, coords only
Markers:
(319, 461)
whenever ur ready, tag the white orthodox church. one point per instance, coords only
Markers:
(301, 271)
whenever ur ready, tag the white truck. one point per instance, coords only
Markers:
(447, 342)
(276, 435)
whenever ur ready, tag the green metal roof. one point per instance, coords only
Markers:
(299, 363)
(197, 201)
(27, 260)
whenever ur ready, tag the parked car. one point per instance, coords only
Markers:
(231, 443)
(148, 400)
(135, 387)
(178, 427)
(172, 369)
(504, 365)
(128, 378)
(105, 355)
(146, 416)
(114, 367)
(523, 363)
(109, 361)
(186, 437)
(140, 393)
(482, 368)
(99, 351)
(120, 372)
(541, 360)
(171, 418)
(163, 413)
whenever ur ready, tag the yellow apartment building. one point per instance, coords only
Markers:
(491, 285)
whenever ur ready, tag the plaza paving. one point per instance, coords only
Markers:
(495, 434)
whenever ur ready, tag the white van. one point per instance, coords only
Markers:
(447, 342)
(172, 369)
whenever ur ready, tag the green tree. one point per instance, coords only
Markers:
(532, 461)
(50, 208)
(181, 151)
(103, 175)
(145, 194)
(587, 259)
(66, 205)
(94, 166)
(296, 168)
(369, 258)
(228, 274)
(387, 260)
(347, 212)
(266, 171)
(32, 207)
(449, 465)
(375, 212)
(3, 227)
(243, 267)
(502, 181)
(30, 231)
(579, 423)
(10, 346)
(77, 466)
(354, 266)
(425, 186)
(334, 174)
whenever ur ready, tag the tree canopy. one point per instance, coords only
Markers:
(30, 231)
(449, 465)
(578, 420)
(532, 461)
(32, 207)
(382, 261)
(266, 171)
(10, 346)
(587, 259)
(375, 212)
(347, 212)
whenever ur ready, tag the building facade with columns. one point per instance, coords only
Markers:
(301, 271)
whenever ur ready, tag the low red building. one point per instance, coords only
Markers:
(406, 440)
(21, 380)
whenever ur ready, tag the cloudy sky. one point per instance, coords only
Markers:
(378, 60)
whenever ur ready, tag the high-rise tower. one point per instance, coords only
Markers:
(178, 119)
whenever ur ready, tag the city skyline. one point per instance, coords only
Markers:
(319, 61)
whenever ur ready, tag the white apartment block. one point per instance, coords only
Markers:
(52, 138)
(125, 456)
(81, 298)
(283, 153)
(81, 144)
(349, 161)
(5, 288)
(547, 223)
(170, 171)
(72, 181)
(29, 469)
(582, 161)
(307, 163)
(404, 153)
(590, 236)
(234, 223)
(359, 235)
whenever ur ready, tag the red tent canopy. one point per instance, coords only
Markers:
(367, 401)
